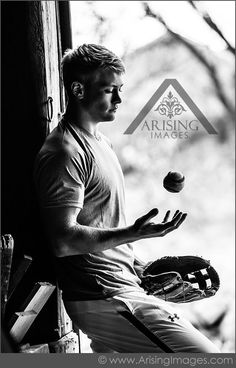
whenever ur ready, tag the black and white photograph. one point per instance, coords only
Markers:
(118, 182)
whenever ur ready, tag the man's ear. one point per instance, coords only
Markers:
(77, 89)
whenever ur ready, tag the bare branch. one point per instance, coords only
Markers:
(102, 27)
(207, 18)
(209, 66)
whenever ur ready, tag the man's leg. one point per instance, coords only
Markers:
(99, 347)
(162, 320)
(109, 330)
(107, 326)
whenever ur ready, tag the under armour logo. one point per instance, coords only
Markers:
(172, 318)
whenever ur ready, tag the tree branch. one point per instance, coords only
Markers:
(209, 66)
(207, 18)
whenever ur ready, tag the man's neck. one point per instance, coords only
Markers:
(80, 119)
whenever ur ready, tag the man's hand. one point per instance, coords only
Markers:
(68, 237)
(143, 228)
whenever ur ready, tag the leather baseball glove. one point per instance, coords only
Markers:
(181, 279)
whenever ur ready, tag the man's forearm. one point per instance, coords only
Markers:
(81, 239)
(70, 238)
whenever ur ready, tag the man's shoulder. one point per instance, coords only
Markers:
(60, 142)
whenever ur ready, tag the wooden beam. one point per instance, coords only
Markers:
(64, 321)
(65, 25)
(21, 321)
(7, 246)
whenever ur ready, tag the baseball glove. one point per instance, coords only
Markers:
(181, 279)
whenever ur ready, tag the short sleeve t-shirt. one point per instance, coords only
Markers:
(76, 169)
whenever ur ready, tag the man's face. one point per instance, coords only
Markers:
(102, 95)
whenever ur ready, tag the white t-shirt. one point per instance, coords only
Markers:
(74, 168)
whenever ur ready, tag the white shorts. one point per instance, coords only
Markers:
(110, 331)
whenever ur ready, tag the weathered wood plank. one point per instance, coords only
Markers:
(66, 345)
(37, 57)
(64, 321)
(52, 67)
(35, 349)
(7, 246)
(21, 321)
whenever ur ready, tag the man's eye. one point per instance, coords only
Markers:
(113, 90)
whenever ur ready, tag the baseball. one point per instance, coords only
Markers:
(173, 182)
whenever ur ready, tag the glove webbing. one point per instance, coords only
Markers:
(199, 277)
(182, 292)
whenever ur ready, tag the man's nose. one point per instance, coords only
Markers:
(116, 99)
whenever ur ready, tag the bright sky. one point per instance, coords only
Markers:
(127, 28)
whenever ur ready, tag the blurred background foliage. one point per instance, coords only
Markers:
(196, 49)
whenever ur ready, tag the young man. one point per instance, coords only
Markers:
(81, 194)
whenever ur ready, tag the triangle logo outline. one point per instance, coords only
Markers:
(156, 96)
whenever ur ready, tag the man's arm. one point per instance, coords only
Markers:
(69, 238)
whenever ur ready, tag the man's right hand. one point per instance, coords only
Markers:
(143, 228)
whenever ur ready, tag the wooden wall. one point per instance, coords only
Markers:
(32, 45)
(23, 130)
